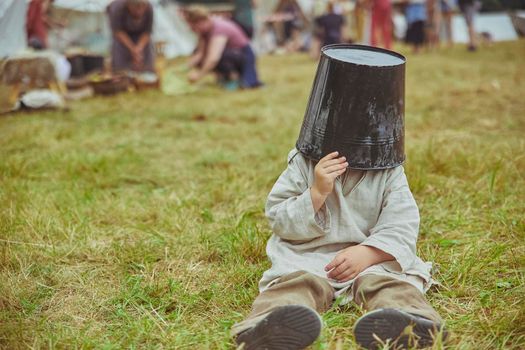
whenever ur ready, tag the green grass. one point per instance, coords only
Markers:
(128, 223)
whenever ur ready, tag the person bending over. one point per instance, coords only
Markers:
(222, 48)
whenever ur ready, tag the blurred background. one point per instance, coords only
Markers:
(78, 40)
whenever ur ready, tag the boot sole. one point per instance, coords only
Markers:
(288, 327)
(397, 327)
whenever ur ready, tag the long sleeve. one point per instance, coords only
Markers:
(289, 206)
(397, 227)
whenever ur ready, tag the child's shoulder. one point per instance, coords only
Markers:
(293, 154)
(296, 158)
(299, 164)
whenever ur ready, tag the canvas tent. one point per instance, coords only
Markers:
(12, 27)
(88, 27)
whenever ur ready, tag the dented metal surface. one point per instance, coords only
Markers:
(356, 107)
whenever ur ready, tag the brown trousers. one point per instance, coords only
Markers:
(369, 291)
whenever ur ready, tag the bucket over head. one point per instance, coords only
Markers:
(356, 107)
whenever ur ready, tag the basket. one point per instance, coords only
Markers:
(111, 85)
(146, 81)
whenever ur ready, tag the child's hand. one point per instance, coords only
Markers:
(326, 171)
(350, 262)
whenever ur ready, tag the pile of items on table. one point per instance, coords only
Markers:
(73, 61)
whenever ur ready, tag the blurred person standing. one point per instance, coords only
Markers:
(331, 26)
(222, 48)
(243, 15)
(433, 24)
(470, 8)
(447, 10)
(328, 29)
(293, 21)
(416, 16)
(382, 22)
(131, 23)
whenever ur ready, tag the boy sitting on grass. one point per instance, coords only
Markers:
(341, 231)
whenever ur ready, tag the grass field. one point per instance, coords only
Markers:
(136, 221)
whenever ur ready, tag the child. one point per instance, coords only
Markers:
(338, 230)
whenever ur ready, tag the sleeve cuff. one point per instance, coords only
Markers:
(319, 221)
(404, 261)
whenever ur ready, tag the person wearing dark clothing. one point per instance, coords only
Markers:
(292, 23)
(293, 20)
(131, 23)
(416, 16)
(330, 27)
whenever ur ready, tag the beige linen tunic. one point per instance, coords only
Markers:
(374, 208)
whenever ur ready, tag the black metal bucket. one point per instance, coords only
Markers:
(356, 107)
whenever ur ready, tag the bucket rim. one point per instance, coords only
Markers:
(354, 167)
(364, 48)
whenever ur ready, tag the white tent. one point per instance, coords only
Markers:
(171, 28)
(88, 27)
(12, 27)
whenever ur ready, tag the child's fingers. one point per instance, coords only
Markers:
(334, 263)
(328, 157)
(339, 270)
(337, 173)
(346, 276)
(343, 276)
(336, 167)
(331, 162)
